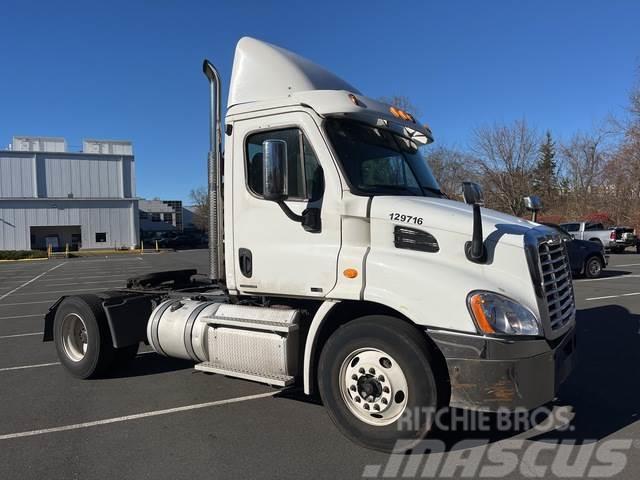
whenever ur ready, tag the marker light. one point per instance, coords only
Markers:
(407, 117)
(354, 100)
(350, 273)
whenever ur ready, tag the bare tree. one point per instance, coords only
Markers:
(585, 157)
(451, 167)
(505, 156)
(403, 103)
(200, 198)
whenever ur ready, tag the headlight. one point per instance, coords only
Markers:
(495, 314)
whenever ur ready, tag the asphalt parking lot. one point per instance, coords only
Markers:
(161, 419)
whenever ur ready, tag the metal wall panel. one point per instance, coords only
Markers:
(89, 177)
(16, 175)
(116, 218)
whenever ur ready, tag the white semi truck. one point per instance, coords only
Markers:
(339, 266)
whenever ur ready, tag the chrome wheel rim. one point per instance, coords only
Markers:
(594, 267)
(74, 337)
(373, 386)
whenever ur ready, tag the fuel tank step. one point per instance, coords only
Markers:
(283, 320)
(262, 377)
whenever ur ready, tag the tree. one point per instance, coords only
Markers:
(200, 198)
(403, 103)
(450, 167)
(586, 156)
(545, 181)
(504, 158)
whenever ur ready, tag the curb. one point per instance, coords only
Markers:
(24, 260)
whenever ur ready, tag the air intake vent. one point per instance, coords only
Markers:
(412, 239)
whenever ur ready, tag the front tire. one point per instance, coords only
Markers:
(377, 381)
(593, 267)
(82, 337)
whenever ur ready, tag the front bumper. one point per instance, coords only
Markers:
(490, 373)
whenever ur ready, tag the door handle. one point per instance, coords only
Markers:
(245, 259)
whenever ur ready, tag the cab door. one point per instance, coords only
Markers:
(272, 253)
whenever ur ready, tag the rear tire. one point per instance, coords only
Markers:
(82, 338)
(593, 267)
(376, 379)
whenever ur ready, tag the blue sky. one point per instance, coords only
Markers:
(132, 69)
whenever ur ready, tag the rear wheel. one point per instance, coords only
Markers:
(376, 380)
(82, 337)
(593, 267)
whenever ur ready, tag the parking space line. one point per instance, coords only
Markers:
(605, 278)
(106, 259)
(23, 316)
(626, 265)
(24, 367)
(73, 290)
(2, 297)
(614, 296)
(21, 335)
(78, 283)
(137, 416)
(55, 278)
(28, 303)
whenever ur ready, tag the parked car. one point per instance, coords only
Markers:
(621, 238)
(586, 257)
(591, 231)
(186, 240)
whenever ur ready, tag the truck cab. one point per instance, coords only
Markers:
(337, 264)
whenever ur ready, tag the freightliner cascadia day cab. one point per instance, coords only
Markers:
(339, 266)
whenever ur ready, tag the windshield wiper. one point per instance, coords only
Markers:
(392, 188)
(437, 191)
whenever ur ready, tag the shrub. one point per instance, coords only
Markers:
(21, 254)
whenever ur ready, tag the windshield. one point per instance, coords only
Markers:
(379, 162)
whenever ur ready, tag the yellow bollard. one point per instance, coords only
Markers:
(157, 249)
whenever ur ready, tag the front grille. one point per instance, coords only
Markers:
(557, 289)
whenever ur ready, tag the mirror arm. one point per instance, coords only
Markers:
(475, 249)
(289, 213)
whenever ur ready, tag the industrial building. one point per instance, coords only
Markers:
(50, 196)
(160, 216)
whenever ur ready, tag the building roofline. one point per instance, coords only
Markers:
(30, 153)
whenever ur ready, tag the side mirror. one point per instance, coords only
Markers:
(274, 170)
(472, 193)
(533, 203)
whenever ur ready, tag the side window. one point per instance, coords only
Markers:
(594, 226)
(306, 180)
(571, 227)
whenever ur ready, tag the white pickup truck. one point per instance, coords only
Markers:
(592, 231)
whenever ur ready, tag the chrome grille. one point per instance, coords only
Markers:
(556, 283)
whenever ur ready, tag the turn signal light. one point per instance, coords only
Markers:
(350, 273)
(476, 302)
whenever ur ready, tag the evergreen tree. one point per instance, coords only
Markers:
(544, 173)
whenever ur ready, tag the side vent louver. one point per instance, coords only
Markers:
(412, 239)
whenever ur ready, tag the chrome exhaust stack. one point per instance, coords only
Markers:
(216, 245)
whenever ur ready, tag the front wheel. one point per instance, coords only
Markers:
(377, 381)
(593, 268)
